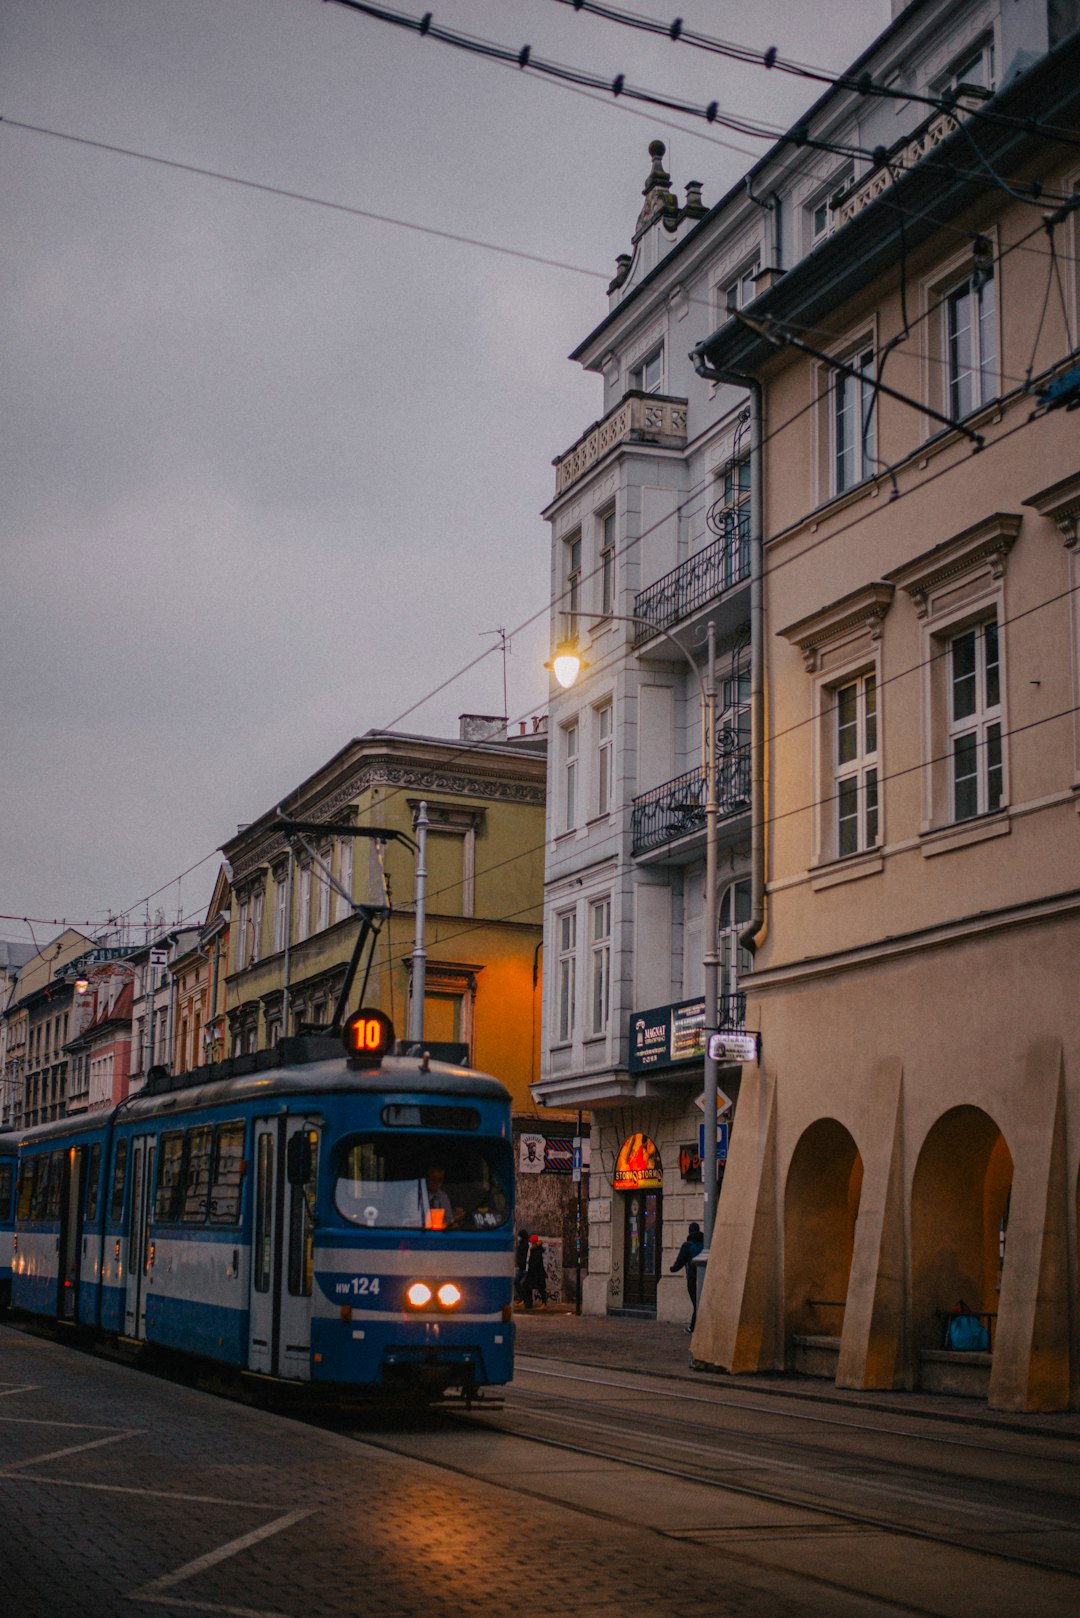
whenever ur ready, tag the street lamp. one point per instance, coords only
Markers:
(567, 664)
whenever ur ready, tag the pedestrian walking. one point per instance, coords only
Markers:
(521, 1258)
(688, 1252)
(535, 1274)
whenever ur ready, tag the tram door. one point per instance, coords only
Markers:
(286, 1158)
(140, 1207)
(641, 1230)
(71, 1226)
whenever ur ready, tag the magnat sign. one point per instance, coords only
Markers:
(667, 1036)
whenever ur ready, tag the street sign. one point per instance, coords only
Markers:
(733, 1047)
(724, 1102)
(722, 1135)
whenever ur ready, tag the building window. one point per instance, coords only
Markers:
(256, 925)
(742, 290)
(243, 934)
(600, 964)
(281, 891)
(971, 343)
(648, 375)
(570, 772)
(856, 764)
(343, 907)
(605, 756)
(566, 1010)
(976, 67)
(819, 213)
(607, 563)
(733, 915)
(975, 722)
(322, 902)
(853, 422)
(303, 911)
(572, 590)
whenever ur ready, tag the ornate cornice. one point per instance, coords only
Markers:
(861, 610)
(986, 544)
(1061, 501)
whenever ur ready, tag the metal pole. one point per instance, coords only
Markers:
(419, 957)
(580, 1178)
(288, 941)
(712, 965)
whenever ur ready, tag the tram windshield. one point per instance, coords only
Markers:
(423, 1182)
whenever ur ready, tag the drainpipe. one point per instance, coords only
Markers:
(749, 938)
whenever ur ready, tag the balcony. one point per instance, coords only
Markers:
(698, 580)
(638, 418)
(677, 809)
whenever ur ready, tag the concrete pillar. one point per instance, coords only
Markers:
(873, 1347)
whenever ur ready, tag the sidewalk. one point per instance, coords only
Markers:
(662, 1348)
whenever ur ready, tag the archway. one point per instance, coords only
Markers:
(959, 1214)
(821, 1205)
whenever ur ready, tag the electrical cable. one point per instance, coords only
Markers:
(770, 59)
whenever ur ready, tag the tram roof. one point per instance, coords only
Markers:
(311, 1068)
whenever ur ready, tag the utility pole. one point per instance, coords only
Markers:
(419, 955)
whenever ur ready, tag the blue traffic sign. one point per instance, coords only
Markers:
(722, 1131)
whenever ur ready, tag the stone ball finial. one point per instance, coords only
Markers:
(656, 150)
(658, 179)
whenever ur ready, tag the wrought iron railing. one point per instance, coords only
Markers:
(706, 574)
(731, 1010)
(677, 808)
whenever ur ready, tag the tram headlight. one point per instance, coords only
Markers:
(418, 1295)
(449, 1295)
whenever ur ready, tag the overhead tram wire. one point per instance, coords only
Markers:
(798, 135)
(862, 84)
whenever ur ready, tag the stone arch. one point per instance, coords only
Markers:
(821, 1206)
(959, 1215)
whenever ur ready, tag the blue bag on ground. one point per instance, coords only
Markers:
(967, 1333)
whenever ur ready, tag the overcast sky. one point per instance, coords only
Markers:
(270, 471)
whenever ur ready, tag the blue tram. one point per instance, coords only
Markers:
(9, 1159)
(299, 1215)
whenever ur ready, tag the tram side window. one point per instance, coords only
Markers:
(93, 1181)
(227, 1184)
(116, 1200)
(56, 1184)
(27, 1176)
(170, 1178)
(6, 1178)
(197, 1174)
(302, 1224)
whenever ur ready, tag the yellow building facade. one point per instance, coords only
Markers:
(293, 932)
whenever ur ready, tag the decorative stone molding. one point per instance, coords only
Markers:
(862, 610)
(1061, 501)
(638, 418)
(985, 545)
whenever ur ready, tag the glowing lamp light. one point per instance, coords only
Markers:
(566, 664)
(81, 985)
(449, 1295)
(418, 1295)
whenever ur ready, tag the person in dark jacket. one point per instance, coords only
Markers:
(688, 1252)
(521, 1258)
(535, 1275)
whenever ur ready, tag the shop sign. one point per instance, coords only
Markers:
(531, 1154)
(638, 1166)
(690, 1163)
(667, 1035)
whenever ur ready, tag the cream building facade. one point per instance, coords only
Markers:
(909, 1143)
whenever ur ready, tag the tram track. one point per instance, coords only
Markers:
(977, 1522)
